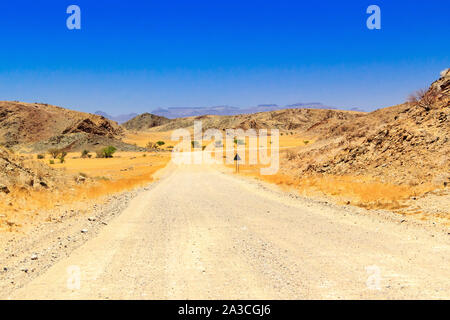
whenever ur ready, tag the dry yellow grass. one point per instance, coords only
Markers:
(142, 138)
(125, 171)
(363, 191)
(366, 192)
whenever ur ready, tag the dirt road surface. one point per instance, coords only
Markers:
(202, 234)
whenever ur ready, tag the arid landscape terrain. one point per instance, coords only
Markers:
(354, 189)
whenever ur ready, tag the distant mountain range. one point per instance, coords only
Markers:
(182, 112)
(119, 119)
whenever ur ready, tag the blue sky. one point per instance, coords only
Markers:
(136, 56)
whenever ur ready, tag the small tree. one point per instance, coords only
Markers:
(62, 157)
(423, 98)
(40, 156)
(109, 151)
(54, 153)
(106, 152)
(151, 145)
(160, 143)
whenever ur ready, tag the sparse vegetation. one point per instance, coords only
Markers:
(62, 156)
(423, 98)
(54, 153)
(151, 146)
(102, 178)
(107, 152)
(290, 155)
(85, 154)
(40, 156)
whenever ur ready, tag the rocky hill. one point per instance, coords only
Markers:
(284, 120)
(18, 172)
(145, 121)
(37, 127)
(408, 143)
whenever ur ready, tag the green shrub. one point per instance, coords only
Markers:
(40, 156)
(107, 152)
(85, 154)
(52, 161)
(305, 142)
(62, 157)
(160, 143)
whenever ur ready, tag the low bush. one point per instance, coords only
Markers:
(107, 152)
(54, 153)
(151, 146)
(85, 154)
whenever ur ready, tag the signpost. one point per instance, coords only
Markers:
(236, 160)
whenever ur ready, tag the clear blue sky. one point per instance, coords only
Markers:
(141, 55)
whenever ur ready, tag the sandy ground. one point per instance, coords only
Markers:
(201, 234)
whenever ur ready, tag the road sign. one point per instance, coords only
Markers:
(237, 159)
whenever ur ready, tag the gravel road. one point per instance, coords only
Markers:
(201, 234)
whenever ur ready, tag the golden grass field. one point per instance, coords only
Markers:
(363, 191)
(126, 171)
(142, 138)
